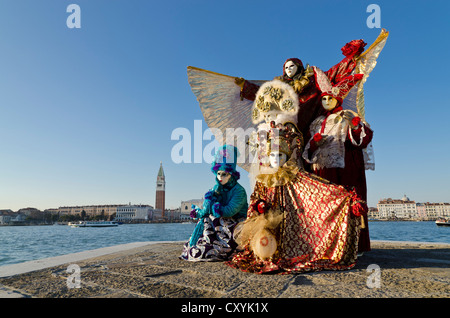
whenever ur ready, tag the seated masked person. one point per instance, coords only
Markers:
(223, 207)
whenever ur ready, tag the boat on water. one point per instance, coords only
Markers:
(443, 222)
(94, 224)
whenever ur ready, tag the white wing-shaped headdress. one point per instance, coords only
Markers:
(339, 90)
(365, 64)
(225, 113)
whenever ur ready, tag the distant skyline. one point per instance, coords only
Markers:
(86, 114)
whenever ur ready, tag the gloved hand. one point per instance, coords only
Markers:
(201, 213)
(239, 81)
(194, 210)
(352, 119)
(216, 210)
(210, 195)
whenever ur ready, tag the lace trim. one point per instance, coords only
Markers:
(332, 153)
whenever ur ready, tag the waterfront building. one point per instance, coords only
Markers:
(432, 211)
(160, 200)
(373, 213)
(8, 217)
(186, 208)
(134, 213)
(395, 208)
(157, 215)
(5, 216)
(173, 215)
(407, 209)
(89, 210)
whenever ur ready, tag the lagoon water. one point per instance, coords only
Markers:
(24, 243)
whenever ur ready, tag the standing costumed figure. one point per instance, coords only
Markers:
(339, 146)
(338, 138)
(224, 206)
(296, 221)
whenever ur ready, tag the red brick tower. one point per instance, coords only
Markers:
(160, 191)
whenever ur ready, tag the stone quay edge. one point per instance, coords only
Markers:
(393, 269)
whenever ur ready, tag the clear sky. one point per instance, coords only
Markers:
(86, 115)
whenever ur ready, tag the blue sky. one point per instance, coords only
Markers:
(86, 115)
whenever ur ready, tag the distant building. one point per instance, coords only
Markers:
(173, 215)
(157, 215)
(160, 203)
(8, 217)
(395, 208)
(90, 210)
(373, 213)
(432, 211)
(407, 209)
(5, 216)
(134, 213)
(186, 208)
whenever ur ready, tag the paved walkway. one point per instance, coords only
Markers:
(146, 269)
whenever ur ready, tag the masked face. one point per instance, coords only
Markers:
(290, 68)
(277, 159)
(223, 177)
(329, 102)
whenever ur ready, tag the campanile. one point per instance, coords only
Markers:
(160, 191)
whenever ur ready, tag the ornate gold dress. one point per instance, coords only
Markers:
(318, 229)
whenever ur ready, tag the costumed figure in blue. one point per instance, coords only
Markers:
(225, 205)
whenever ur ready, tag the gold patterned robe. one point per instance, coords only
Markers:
(318, 230)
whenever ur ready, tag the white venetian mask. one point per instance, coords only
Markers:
(329, 102)
(223, 177)
(290, 68)
(277, 159)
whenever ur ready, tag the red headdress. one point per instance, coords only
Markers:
(338, 91)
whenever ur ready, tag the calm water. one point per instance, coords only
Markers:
(23, 243)
(409, 231)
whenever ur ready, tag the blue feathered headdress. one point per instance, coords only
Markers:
(226, 160)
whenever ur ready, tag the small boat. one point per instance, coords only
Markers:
(443, 222)
(93, 224)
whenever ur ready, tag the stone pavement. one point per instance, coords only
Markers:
(390, 270)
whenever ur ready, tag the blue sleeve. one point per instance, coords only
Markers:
(237, 203)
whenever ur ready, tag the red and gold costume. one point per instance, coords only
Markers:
(317, 230)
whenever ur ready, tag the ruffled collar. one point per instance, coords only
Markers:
(282, 176)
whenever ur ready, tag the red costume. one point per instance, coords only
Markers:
(335, 150)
